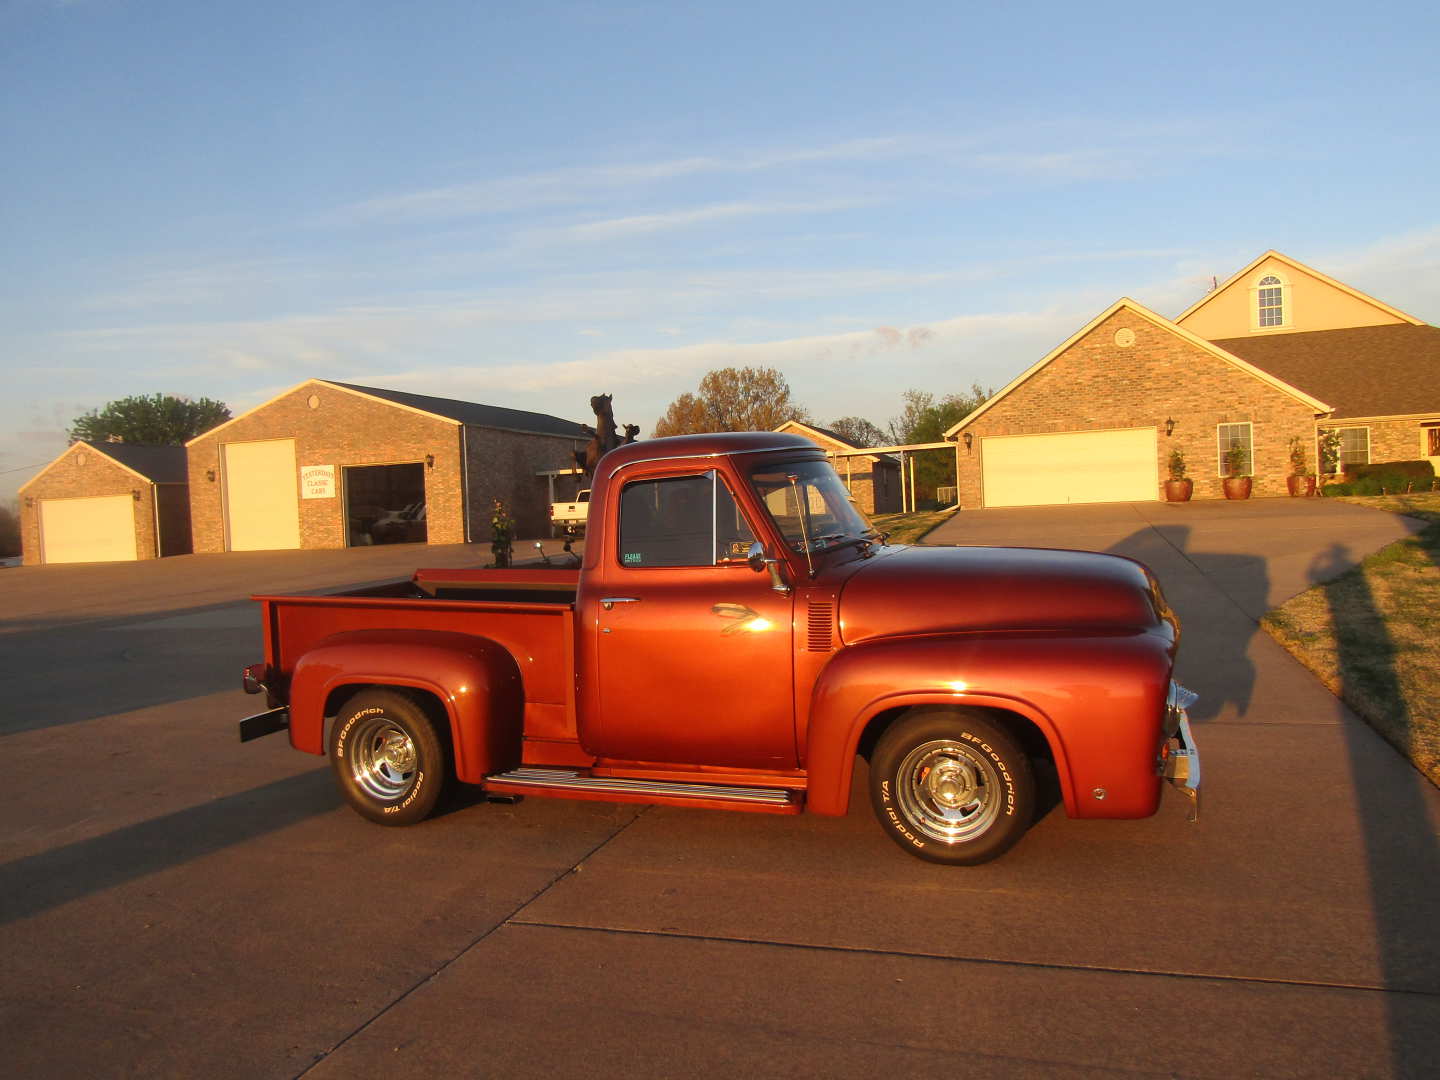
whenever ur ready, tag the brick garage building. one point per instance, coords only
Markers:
(106, 502)
(873, 480)
(1278, 352)
(329, 465)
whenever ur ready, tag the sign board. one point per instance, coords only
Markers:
(317, 481)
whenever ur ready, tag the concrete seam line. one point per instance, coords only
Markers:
(1194, 976)
(559, 877)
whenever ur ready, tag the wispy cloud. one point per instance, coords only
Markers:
(574, 186)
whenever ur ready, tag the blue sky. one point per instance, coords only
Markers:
(525, 204)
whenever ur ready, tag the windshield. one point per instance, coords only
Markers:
(810, 505)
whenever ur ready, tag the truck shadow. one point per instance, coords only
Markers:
(37, 883)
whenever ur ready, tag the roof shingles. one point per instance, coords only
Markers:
(1362, 371)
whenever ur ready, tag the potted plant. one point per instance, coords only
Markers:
(1300, 481)
(1179, 487)
(1237, 486)
(1329, 451)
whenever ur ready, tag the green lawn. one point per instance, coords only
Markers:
(1370, 634)
(910, 528)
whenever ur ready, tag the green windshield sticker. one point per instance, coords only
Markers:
(631, 558)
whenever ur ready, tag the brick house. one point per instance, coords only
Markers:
(329, 464)
(106, 502)
(873, 480)
(1270, 356)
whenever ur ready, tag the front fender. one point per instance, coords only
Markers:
(1098, 701)
(475, 679)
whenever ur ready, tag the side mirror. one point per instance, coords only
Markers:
(758, 560)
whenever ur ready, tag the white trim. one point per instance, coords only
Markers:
(1295, 264)
(1125, 303)
(1282, 282)
(1340, 446)
(82, 446)
(1220, 454)
(330, 385)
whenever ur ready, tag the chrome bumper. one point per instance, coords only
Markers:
(1179, 756)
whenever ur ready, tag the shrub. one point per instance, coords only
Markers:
(1177, 464)
(1333, 490)
(1414, 470)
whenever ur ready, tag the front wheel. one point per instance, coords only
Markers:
(951, 786)
(389, 760)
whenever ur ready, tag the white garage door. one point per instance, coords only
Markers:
(1077, 467)
(262, 496)
(97, 529)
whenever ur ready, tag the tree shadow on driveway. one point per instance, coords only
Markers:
(1395, 804)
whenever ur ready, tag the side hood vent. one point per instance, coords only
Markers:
(821, 628)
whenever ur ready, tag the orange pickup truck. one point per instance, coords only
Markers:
(736, 636)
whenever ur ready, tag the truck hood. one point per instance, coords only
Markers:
(926, 590)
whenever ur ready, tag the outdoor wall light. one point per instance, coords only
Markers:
(1169, 427)
(210, 475)
(30, 500)
(969, 439)
(429, 461)
(135, 494)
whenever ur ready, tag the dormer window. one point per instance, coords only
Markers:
(1271, 302)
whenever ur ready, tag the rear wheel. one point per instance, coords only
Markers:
(951, 786)
(389, 760)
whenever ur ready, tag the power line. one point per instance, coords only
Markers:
(22, 468)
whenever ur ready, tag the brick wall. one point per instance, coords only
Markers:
(77, 473)
(503, 464)
(1096, 384)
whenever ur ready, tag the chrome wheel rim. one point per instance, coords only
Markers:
(383, 758)
(948, 791)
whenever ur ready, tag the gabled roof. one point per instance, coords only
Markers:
(1294, 264)
(1389, 370)
(474, 414)
(792, 425)
(456, 412)
(153, 464)
(1125, 303)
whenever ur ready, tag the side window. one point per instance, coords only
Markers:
(1270, 302)
(681, 521)
(1230, 438)
(1354, 446)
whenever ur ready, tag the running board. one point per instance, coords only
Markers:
(570, 784)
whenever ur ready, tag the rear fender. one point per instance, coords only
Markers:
(1098, 701)
(475, 679)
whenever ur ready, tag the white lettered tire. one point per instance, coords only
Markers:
(951, 786)
(389, 761)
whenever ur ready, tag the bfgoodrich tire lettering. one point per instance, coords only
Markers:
(951, 786)
(389, 761)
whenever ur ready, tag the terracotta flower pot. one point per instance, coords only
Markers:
(1179, 490)
(1300, 485)
(1237, 487)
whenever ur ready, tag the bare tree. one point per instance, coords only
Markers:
(9, 530)
(732, 399)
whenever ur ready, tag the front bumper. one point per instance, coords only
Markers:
(1179, 756)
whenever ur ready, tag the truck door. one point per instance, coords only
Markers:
(693, 647)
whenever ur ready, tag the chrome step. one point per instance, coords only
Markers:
(570, 779)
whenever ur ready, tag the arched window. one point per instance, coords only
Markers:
(1271, 302)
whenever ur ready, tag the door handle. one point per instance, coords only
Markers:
(609, 602)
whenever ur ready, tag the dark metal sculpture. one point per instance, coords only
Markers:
(603, 436)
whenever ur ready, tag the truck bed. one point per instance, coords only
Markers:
(529, 612)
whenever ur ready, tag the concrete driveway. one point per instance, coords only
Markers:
(174, 902)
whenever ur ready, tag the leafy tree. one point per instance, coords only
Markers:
(9, 530)
(732, 399)
(926, 419)
(859, 431)
(157, 420)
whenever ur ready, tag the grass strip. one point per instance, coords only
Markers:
(910, 528)
(1370, 634)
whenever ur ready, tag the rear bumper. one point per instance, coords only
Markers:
(1180, 757)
